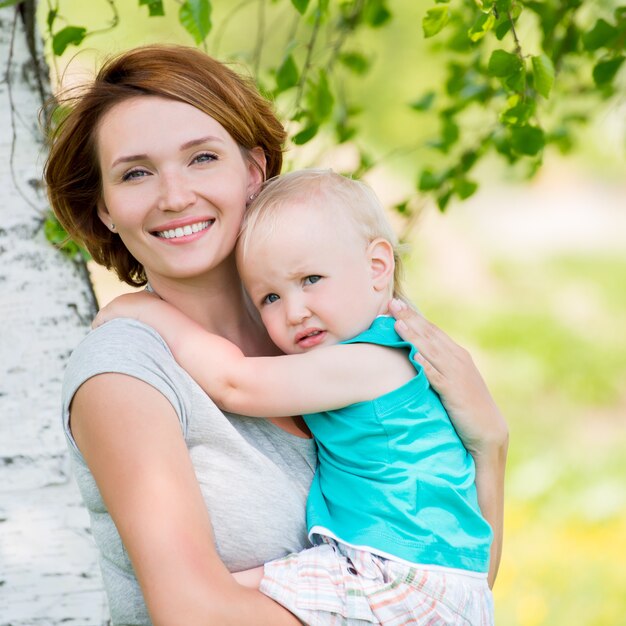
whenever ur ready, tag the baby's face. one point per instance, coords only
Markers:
(311, 280)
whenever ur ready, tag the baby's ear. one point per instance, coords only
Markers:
(382, 264)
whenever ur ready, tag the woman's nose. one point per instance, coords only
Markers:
(175, 193)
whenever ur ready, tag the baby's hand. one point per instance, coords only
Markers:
(130, 305)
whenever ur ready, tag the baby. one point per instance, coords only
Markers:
(392, 513)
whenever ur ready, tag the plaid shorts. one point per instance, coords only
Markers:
(335, 585)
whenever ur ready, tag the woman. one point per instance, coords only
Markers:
(180, 494)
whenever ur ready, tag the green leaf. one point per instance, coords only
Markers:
(376, 13)
(620, 14)
(443, 200)
(322, 8)
(344, 132)
(403, 208)
(424, 103)
(52, 15)
(355, 61)
(58, 237)
(503, 64)
(8, 3)
(503, 6)
(543, 74)
(428, 180)
(321, 98)
(601, 35)
(516, 82)
(435, 19)
(507, 16)
(301, 5)
(528, 140)
(465, 188)
(481, 26)
(518, 113)
(502, 28)
(468, 160)
(195, 16)
(70, 35)
(287, 74)
(305, 135)
(449, 133)
(604, 71)
(155, 7)
(562, 138)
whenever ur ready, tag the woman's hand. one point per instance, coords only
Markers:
(471, 408)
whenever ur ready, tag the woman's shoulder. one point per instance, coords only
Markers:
(116, 333)
(120, 346)
(125, 346)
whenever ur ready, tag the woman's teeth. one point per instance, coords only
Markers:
(184, 230)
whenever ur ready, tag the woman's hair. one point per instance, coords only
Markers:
(326, 190)
(72, 172)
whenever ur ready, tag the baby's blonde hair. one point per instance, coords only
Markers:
(323, 189)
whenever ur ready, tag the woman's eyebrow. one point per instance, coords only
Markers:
(129, 158)
(188, 144)
(200, 140)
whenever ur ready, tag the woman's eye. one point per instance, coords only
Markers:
(311, 280)
(133, 174)
(271, 297)
(205, 157)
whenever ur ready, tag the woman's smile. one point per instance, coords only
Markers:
(184, 232)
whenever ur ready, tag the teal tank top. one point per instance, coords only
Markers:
(394, 478)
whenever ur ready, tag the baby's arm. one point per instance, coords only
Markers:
(323, 379)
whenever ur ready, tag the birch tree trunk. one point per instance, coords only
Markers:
(48, 567)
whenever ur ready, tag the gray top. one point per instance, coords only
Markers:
(254, 476)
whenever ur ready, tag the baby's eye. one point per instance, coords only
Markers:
(205, 157)
(311, 280)
(270, 297)
(134, 174)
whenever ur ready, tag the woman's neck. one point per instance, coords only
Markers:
(218, 303)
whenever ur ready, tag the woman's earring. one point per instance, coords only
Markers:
(112, 227)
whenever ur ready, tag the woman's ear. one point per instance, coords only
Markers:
(382, 265)
(256, 169)
(103, 214)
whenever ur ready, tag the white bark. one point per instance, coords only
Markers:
(48, 567)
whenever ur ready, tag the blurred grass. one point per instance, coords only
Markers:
(550, 337)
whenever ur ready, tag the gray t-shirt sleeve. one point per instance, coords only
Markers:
(125, 346)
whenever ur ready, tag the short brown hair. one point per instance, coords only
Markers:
(72, 171)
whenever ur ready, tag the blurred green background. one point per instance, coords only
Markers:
(531, 276)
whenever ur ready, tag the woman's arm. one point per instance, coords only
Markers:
(477, 419)
(131, 440)
(276, 386)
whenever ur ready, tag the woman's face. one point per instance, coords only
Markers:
(174, 184)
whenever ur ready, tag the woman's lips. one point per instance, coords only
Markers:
(180, 232)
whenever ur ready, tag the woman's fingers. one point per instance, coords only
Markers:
(435, 345)
(432, 374)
